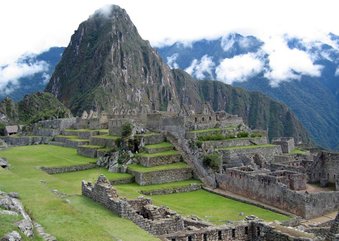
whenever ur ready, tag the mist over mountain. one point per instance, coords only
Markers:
(303, 75)
(29, 74)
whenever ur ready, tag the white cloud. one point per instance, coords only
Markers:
(239, 68)
(287, 64)
(171, 61)
(337, 72)
(227, 42)
(202, 68)
(11, 73)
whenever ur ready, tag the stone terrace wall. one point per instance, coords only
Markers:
(58, 124)
(320, 203)
(158, 160)
(56, 170)
(26, 140)
(188, 188)
(235, 142)
(164, 176)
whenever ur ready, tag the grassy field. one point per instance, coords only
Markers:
(163, 153)
(55, 200)
(139, 168)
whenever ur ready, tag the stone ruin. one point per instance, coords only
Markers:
(169, 226)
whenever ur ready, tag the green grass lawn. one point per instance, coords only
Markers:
(92, 146)
(163, 153)
(298, 151)
(159, 145)
(71, 218)
(139, 168)
(212, 207)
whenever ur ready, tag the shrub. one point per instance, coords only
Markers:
(126, 129)
(213, 161)
(118, 142)
(242, 134)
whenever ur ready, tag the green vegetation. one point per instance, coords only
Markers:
(245, 147)
(107, 137)
(139, 168)
(92, 146)
(213, 161)
(164, 153)
(298, 151)
(207, 130)
(148, 134)
(68, 137)
(159, 145)
(213, 208)
(72, 217)
(242, 134)
(126, 129)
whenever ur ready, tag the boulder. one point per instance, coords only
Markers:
(12, 236)
(3, 162)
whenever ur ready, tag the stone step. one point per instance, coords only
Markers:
(160, 174)
(158, 159)
(159, 147)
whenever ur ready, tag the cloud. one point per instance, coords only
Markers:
(11, 73)
(239, 68)
(227, 42)
(171, 61)
(337, 72)
(287, 64)
(202, 68)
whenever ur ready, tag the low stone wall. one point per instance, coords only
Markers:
(268, 152)
(122, 181)
(87, 151)
(99, 141)
(58, 124)
(75, 168)
(75, 144)
(187, 188)
(46, 132)
(317, 204)
(61, 138)
(158, 160)
(157, 150)
(25, 140)
(235, 142)
(164, 176)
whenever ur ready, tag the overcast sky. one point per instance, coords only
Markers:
(36, 25)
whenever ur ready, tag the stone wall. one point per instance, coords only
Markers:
(286, 143)
(187, 188)
(267, 152)
(273, 191)
(149, 139)
(158, 160)
(58, 124)
(325, 168)
(87, 151)
(46, 132)
(75, 144)
(164, 176)
(139, 211)
(75, 168)
(235, 142)
(99, 141)
(26, 140)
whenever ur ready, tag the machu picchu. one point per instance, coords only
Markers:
(122, 147)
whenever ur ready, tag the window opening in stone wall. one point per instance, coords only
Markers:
(233, 233)
(189, 238)
(205, 236)
(246, 230)
(258, 231)
(219, 235)
(173, 239)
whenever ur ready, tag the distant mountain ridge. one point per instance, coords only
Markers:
(314, 99)
(32, 83)
(108, 66)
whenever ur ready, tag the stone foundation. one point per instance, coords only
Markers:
(87, 151)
